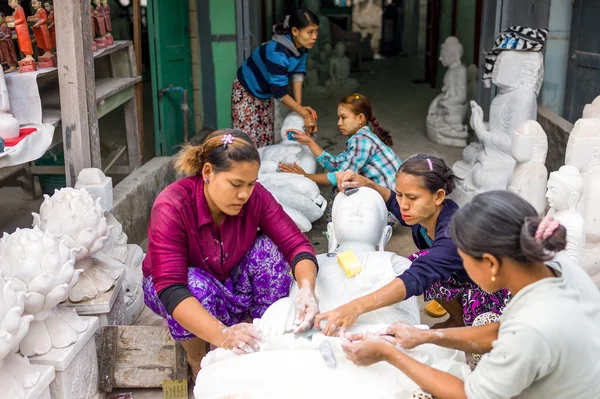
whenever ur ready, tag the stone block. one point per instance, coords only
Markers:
(558, 130)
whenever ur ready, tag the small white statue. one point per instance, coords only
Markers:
(530, 177)
(366, 20)
(359, 224)
(97, 184)
(565, 188)
(592, 110)
(519, 76)
(447, 112)
(324, 55)
(311, 80)
(584, 137)
(42, 267)
(77, 219)
(287, 151)
(339, 71)
(16, 374)
(299, 196)
(9, 126)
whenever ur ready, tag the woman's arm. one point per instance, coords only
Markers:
(477, 339)
(193, 317)
(319, 178)
(350, 179)
(297, 89)
(309, 121)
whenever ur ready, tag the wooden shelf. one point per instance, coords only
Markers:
(108, 87)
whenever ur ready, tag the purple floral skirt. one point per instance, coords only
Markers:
(262, 277)
(473, 299)
(253, 116)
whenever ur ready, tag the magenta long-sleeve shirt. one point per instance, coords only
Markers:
(181, 233)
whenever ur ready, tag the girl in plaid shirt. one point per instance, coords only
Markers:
(367, 153)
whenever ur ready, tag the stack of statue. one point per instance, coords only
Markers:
(107, 22)
(19, 24)
(448, 110)
(7, 47)
(583, 152)
(311, 80)
(366, 20)
(488, 164)
(565, 188)
(49, 5)
(99, 25)
(43, 40)
(529, 179)
(339, 71)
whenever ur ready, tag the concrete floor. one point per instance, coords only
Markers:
(400, 106)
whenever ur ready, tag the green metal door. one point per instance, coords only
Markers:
(171, 68)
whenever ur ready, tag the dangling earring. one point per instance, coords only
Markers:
(494, 278)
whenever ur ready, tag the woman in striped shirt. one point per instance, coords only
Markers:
(265, 75)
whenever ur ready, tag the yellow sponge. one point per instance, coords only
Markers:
(349, 263)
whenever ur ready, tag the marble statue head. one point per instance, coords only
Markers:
(340, 49)
(291, 121)
(584, 137)
(529, 143)
(592, 110)
(565, 188)
(516, 69)
(451, 51)
(359, 218)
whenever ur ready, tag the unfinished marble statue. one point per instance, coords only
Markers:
(584, 137)
(339, 71)
(488, 164)
(591, 217)
(359, 224)
(324, 57)
(42, 266)
(447, 112)
(16, 374)
(299, 196)
(366, 20)
(287, 151)
(9, 126)
(565, 188)
(592, 110)
(78, 220)
(530, 177)
(311, 80)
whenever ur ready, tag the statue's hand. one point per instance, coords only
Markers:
(477, 118)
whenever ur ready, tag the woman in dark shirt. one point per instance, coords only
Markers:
(437, 271)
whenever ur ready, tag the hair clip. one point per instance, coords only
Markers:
(358, 97)
(227, 139)
(430, 164)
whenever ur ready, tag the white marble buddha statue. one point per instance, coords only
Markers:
(591, 217)
(584, 137)
(592, 110)
(519, 76)
(565, 188)
(359, 224)
(445, 119)
(311, 80)
(530, 177)
(366, 20)
(339, 71)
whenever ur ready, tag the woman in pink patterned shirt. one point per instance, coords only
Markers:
(208, 270)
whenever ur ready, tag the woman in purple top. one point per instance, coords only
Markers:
(422, 184)
(208, 271)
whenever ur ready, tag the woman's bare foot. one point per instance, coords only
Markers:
(450, 323)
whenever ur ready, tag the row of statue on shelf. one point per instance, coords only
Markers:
(42, 25)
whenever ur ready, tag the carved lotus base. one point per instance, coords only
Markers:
(17, 376)
(27, 66)
(450, 136)
(47, 61)
(56, 331)
(97, 278)
(76, 366)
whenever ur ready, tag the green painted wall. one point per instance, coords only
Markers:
(223, 22)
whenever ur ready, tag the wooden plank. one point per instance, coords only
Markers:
(115, 101)
(107, 357)
(113, 158)
(121, 65)
(81, 137)
(132, 128)
(145, 357)
(106, 88)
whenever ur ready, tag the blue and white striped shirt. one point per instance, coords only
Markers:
(266, 72)
(367, 155)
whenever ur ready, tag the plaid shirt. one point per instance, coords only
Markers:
(367, 155)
